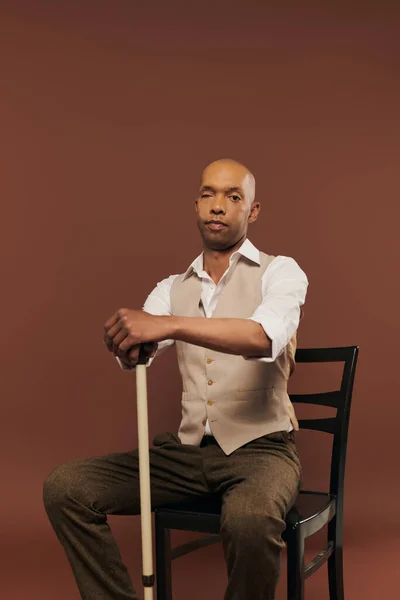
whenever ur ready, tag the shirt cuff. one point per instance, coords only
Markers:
(273, 329)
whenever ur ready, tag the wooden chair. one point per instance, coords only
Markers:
(311, 512)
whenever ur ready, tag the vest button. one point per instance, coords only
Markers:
(209, 402)
(209, 361)
(210, 382)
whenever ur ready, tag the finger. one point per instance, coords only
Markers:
(133, 354)
(109, 336)
(129, 357)
(112, 332)
(108, 342)
(130, 340)
(111, 321)
(119, 339)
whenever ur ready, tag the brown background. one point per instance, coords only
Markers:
(109, 113)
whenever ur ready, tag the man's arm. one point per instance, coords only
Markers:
(129, 328)
(278, 313)
(231, 336)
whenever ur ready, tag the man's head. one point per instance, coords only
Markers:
(227, 191)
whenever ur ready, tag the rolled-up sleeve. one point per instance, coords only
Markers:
(284, 289)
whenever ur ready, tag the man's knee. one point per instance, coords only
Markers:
(62, 484)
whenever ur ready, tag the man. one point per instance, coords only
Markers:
(233, 316)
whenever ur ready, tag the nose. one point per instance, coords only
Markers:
(218, 206)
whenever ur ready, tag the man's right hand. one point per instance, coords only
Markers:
(131, 357)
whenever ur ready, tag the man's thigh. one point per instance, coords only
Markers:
(110, 484)
(261, 478)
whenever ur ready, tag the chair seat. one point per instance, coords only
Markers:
(202, 514)
(311, 509)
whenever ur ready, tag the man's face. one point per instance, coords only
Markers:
(225, 197)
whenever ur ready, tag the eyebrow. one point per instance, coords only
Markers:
(230, 189)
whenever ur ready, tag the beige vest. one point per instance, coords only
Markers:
(242, 399)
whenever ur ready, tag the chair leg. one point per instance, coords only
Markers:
(163, 562)
(335, 575)
(295, 565)
(335, 561)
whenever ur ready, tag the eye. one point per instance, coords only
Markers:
(235, 197)
(206, 195)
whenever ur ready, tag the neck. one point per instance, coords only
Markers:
(217, 261)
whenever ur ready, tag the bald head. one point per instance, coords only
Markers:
(225, 205)
(227, 169)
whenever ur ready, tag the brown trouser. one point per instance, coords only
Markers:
(258, 483)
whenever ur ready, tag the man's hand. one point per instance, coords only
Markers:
(131, 357)
(127, 330)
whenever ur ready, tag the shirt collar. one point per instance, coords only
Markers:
(247, 249)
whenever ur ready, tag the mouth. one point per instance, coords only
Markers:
(216, 225)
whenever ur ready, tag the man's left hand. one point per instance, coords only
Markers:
(127, 328)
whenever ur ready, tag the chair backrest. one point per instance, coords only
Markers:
(341, 400)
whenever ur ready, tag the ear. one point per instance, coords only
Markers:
(254, 212)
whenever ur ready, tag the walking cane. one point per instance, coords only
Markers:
(144, 476)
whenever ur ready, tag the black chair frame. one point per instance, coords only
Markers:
(311, 512)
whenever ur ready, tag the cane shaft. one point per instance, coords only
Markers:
(144, 478)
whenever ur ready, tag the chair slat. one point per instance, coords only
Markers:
(317, 355)
(327, 425)
(215, 538)
(334, 399)
(318, 560)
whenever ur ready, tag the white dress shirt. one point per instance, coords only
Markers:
(283, 286)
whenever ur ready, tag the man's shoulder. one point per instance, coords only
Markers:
(278, 259)
(285, 266)
(276, 256)
(167, 282)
